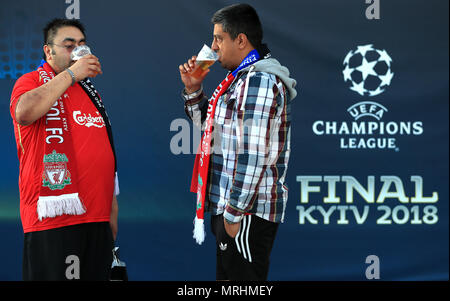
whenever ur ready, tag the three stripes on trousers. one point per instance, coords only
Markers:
(241, 238)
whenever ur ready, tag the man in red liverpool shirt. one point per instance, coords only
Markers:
(67, 176)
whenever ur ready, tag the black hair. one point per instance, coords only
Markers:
(240, 18)
(52, 27)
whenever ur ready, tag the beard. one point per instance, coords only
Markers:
(62, 63)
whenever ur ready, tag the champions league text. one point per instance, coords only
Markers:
(382, 201)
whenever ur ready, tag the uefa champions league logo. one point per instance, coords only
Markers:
(368, 70)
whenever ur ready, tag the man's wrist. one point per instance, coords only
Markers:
(192, 90)
(188, 95)
(230, 222)
(72, 75)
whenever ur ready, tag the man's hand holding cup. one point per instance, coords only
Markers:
(191, 82)
(194, 71)
(86, 64)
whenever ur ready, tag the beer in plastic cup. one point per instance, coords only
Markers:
(200, 67)
(205, 59)
(79, 52)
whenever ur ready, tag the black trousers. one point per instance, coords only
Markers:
(78, 252)
(247, 256)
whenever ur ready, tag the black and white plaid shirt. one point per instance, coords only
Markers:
(250, 147)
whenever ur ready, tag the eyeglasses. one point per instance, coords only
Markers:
(68, 47)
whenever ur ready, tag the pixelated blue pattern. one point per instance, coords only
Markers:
(20, 42)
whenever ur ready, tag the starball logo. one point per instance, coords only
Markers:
(369, 72)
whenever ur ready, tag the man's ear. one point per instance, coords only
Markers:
(48, 52)
(242, 40)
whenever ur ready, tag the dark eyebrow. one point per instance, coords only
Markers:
(73, 40)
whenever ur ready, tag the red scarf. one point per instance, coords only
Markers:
(200, 172)
(59, 192)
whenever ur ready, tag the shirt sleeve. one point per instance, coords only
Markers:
(253, 143)
(195, 106)
(25, 83)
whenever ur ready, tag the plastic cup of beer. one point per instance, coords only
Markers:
(205, 59)
(79, 52)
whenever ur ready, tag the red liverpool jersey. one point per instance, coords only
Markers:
(93, 154)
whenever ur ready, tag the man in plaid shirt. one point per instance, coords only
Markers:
(246, 190)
